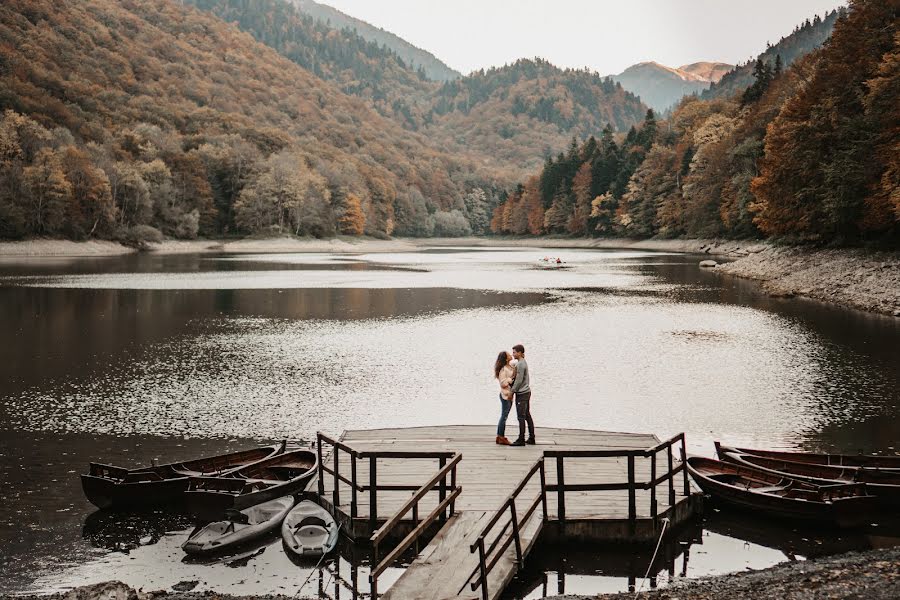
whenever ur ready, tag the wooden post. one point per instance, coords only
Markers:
(442, 487)
(653, 487)
(415, 513)
(321, 473)
(353, 509)
(671, 477)
(515, 531)
(373, 494)
(560, 493)
(632, 507)
(453, 487)
(684, 471)
(483, 566)
(336, 492)
(543, 490)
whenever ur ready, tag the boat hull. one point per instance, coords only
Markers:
(850, 511)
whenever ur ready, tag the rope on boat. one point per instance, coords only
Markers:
(665, 523)
(316, 568)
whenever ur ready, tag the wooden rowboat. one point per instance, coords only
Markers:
(108, 486)
(239, 528)
(778, 495)
(867, 461)
(885, 485)
(281, 475)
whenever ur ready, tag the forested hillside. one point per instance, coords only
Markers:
(804, 39)
(127, 118)
(433, 68)
(508, 117)
(807, 153)
(518, 113)
(359, 67)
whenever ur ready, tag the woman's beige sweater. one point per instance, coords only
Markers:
(506, 377)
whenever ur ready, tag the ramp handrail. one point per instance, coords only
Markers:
(488, 557)
(445, 503)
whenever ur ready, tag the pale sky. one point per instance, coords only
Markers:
(604, 35)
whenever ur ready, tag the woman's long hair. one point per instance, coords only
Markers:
(502, 359)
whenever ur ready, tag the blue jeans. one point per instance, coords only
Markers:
(505, 406)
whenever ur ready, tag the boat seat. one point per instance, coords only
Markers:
(767, 489)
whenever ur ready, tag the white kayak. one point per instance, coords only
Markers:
(309, 530)
(241, 527)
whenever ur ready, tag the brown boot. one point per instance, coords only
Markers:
(502, 440)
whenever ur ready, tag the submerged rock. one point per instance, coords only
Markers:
(707, 264)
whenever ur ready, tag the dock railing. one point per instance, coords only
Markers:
(445, 506)
(490, 555)
(353, 483)
(632, 485)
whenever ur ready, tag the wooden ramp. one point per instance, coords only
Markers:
(592, 484)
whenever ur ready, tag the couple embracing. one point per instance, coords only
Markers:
(512, 373)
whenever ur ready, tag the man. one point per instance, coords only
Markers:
(522, 391)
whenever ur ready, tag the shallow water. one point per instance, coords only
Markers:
(127, 358)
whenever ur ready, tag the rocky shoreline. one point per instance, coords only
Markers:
(857, 278)
(852, 277)
(869, 575)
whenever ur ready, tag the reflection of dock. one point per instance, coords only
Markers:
(490, 503)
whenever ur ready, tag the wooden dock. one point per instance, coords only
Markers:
(490, 503)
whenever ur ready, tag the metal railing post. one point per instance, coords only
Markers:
(560, 491)
(632, 505)
(373, 494)
(653, 486)
(336, 492)
(543, 490)
(483, 566)
(453, 487)
(321, 470)
(353, 508)
(515, 531)
(442, 487)
(671, 476)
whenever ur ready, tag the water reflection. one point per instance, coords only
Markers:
(124, 531)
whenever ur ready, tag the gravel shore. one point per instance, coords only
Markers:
(870, 575)
(857, 278)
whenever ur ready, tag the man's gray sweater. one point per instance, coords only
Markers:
(521, 383)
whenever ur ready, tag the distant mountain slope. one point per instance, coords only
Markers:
(661, 87)
(434, 68)
(710, 71)
(804, 39)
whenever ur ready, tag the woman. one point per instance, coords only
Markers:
(505, 373)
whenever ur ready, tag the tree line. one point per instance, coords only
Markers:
(807, 153)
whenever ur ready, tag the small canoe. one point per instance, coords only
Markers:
(239, 527)
(885, 485)
(108, 486)
(778, 495)
(281, 475)
(868, 461)
(309, 530)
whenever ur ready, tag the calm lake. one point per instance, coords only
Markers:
(125, 359)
